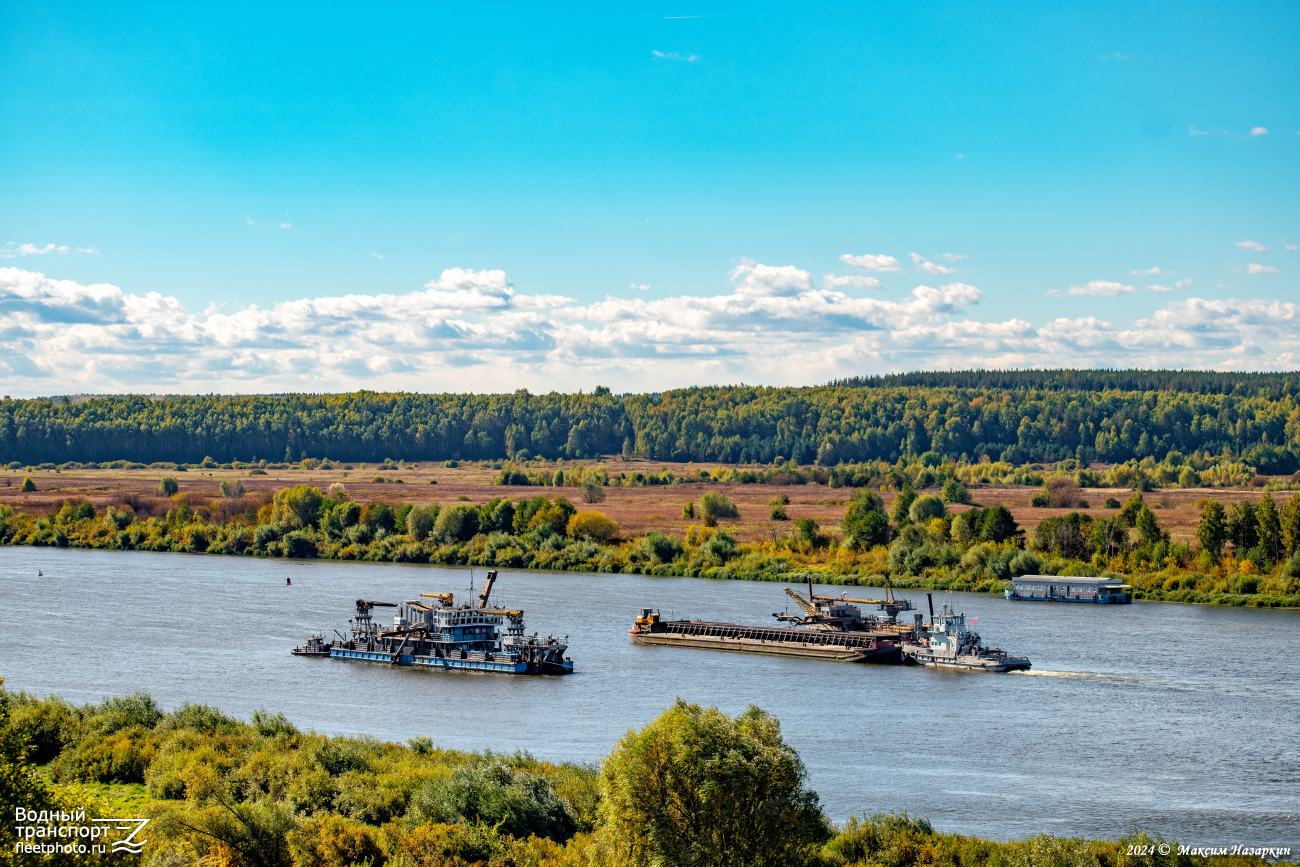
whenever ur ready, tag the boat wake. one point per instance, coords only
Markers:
(1081, 675)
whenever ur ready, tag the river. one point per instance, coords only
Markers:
(1176, 719)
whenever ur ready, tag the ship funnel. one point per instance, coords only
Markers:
(487, 589)
(929, 599)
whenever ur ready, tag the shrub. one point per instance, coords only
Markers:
(717, 505)
(28, 485)
(593, 525)
(695, 768)
(955, 492)
(688, 512)
(168, 486)
(420, 522)
(778, 513)
(925, 507)
(493, 793)
(656, 547)
(456, 523)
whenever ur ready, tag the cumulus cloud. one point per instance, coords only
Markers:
(640, 287)
(1252, 245)
(873, 262)
(286, 225)
(673, 55)
(473, 330)
(1095, 287)
(953, 257)
(931, 267)
(1291, 248)
(1153, 271)
(1256, 268)
(1258, 130)
(852, 281)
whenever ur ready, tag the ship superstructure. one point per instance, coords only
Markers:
(948, 642)
(439, 634)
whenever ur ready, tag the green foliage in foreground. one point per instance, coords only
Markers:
(694, 788)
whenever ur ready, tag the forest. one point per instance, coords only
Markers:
(1012, 416)
(693, 788)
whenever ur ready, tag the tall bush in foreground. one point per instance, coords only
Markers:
(699, 789)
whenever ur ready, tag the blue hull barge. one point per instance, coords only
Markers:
(1061, 588)
(446, 637)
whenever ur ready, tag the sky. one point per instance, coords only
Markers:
(244, 199)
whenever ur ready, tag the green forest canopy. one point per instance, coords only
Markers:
(1017, 416)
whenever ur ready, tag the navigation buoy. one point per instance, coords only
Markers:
(288, 580)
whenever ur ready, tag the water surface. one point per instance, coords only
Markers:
(1177, 719)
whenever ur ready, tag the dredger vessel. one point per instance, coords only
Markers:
(438, 634)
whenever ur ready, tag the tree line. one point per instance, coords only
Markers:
(1011, 416)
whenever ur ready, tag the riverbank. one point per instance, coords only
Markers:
(265, 792)
(703, 552)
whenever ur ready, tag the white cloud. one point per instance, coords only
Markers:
(953, 257)
(374, 255)
(1252, 245)
(1153, 271)
(252, 222)
(1256, 268)
(640, 287)
(931, 267)
(873, 262)
(767, 280)
(1095, 287)
(473, 330)
(1258, 130)
(12, 251)
(1156, 287)
(286, 225)
(1291, 248)
(673, 55)
(1194, 132)
(852, 281)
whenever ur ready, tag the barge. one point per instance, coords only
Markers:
(830, 628)
(443, 636)
(1061, 588)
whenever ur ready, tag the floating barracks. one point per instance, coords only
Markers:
(1063, 588)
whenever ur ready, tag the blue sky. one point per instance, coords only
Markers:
(238, 162)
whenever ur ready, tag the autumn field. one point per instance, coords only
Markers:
(637, 509)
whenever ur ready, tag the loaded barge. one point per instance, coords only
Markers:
(830, 628)
(441, 635)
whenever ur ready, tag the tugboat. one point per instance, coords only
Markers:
(314, 646)
(445, 636)
(947, 643)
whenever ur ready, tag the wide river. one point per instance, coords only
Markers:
(1176, 719)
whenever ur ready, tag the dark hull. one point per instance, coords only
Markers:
(870, 648)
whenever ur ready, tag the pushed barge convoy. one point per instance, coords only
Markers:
(834, 628)
(441, 635)
(831, 628)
